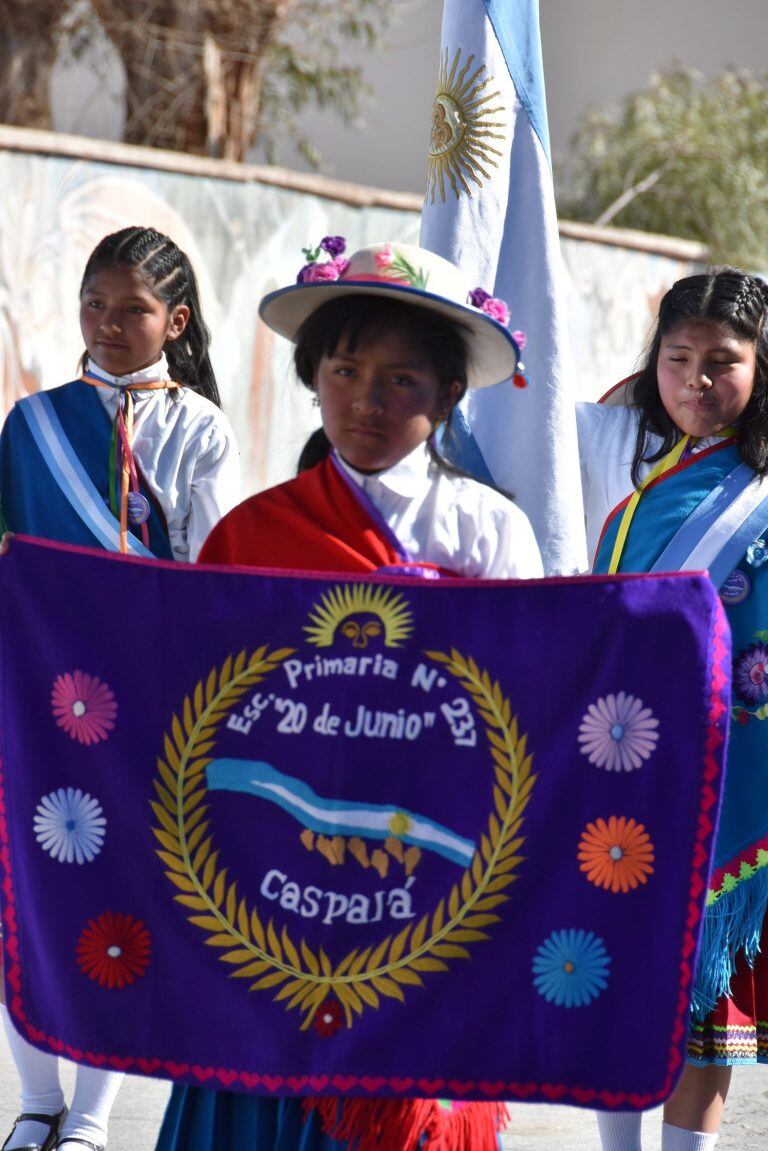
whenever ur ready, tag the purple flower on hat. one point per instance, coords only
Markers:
(334, 245)
(487, 303)
(330, 270)
(478, 296)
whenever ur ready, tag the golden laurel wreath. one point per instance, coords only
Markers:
(298, 975)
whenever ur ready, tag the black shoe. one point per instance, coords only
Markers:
(52, 1122)
(81, 1142)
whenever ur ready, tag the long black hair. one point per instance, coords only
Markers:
(353, 318)
(169, 276)
(721, 296)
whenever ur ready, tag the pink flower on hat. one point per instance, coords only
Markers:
(384, 258)
(497, 310)
(492, 307)
(520, 339)
(323, 273)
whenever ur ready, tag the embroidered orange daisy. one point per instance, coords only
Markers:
(616, 854)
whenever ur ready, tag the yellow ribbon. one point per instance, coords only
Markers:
(670, 460)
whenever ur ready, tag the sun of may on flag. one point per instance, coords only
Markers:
(490, 208)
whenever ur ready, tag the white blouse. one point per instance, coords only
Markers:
(452, 521)
(186, 450)
(607, 437)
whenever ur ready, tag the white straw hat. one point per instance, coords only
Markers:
(412, 275)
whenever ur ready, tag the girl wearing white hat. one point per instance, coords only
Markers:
(388, 341)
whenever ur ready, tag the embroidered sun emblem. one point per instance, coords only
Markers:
(389, 610)
(465, 119)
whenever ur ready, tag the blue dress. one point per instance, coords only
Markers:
(197, 1119)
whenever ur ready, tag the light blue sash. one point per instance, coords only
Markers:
(70, 475)
(719, 530)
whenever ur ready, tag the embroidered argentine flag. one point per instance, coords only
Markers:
(336, 816)
(490, 209)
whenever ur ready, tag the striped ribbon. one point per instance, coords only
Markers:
(121, 451)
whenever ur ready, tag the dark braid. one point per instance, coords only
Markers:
(169, 276)
(720, 296)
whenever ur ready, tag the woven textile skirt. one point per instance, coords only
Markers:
(737, 1030)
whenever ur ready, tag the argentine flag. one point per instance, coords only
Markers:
(490, 209)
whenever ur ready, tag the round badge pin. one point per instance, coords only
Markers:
(736, 588)
(138, 508)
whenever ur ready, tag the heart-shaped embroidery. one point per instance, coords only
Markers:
(372, 1082)
(523, 1090)
(430, 1086)
(120, 1064)
(493, 1090)
(176, 1069)
(460, 1088)
(202, 1073)
(344, 1082)
(553, 1090)
(148, 1065)
(583, 1094)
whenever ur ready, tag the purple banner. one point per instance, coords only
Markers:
(302, 835)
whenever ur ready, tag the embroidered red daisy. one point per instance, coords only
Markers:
(83, 706)
(328, 1018)
(114, 949)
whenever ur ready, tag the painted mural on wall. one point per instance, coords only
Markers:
(245, 239)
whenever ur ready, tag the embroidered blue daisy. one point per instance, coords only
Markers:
(70, 825)
(571, 968)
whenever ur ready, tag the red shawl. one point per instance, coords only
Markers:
(318, 521)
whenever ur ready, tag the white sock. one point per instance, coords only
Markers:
(619, 1130)
(41, 1092)
(88, 1116)
(680, 1139)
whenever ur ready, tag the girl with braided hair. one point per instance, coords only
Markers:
(134, 456)
(674, 462)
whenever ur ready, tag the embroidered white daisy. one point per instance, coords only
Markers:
(618, 733)
(70, 825)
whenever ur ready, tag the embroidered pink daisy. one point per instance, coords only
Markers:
(83, 706)
(618, 733)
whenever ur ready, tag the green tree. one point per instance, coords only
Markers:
(207, 76)
(688, 157)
